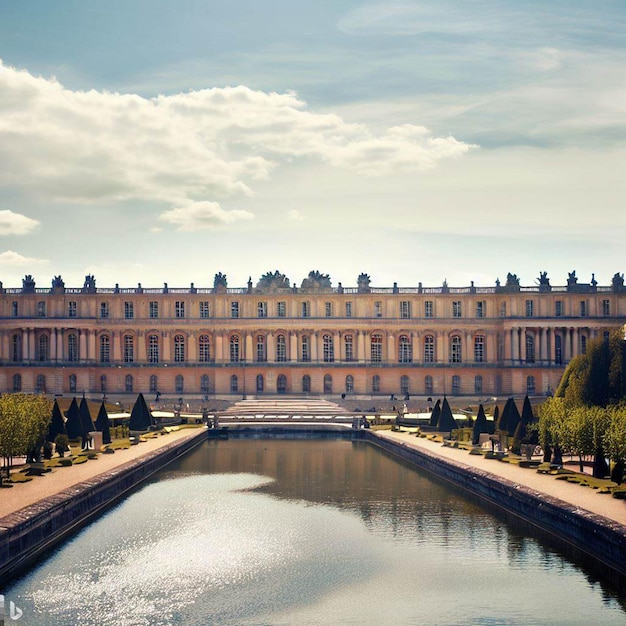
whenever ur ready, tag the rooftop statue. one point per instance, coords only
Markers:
(363, 283)
(89, 286)
(512, 280)
(316, 281)
(544, 282)
(571, 278)
(58, 285)
(220, 283)
(273, 281)
(617, 281)
(28, 284)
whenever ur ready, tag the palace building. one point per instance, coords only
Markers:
(273, 338)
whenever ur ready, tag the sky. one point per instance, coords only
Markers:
(152, 141)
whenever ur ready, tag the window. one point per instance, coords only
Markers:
(378, 309)
(456, 308)
(456, 353)
(179, 309)
(376, 351)
(305, 351)
(260, 348)
(234, 384)
(41, 309)
(503, 309)
(204, 349)
(154, 384)
(329, 349)
(348, 344)
(72, 348)
(281, 348)
(583, 344)
(428, 385)
(530, 386)
(105, 349)
(104, 310)
(405, 353)
(281, 309)
(530, 349)
(259, 383)
(204, 309)
(478, 385)
(179, 348)
(349, 383)
(17, 382)
(205, 384)
(281, 384)
(479, 349)
(480, 308)
(129, 311)
(429, 349)
(306, 384)
(404, 385)
(456, 385)
(234, 349)
(179, 384)
(530, 304)
(71, 309)
(328, 383)
(16, 348)
(153, 349)
(348, 309)
(14, 310)
(128, 384)
(129, 349)
(606, 307)
(43, 348)
(72, 381)
(328, 309)
(583, 308)
(103, 384)
(375, 383)
(234, 309)
(261, 309)
(153, 310)
(304, 307)
(428, 308)
(405, 309)
(558, 308)
(558, 350)
(40, 385)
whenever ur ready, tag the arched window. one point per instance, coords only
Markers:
(456, 385)
(205, 384)
(405, 353)
(479, 348)
(40, 385)
(429, 349)
(42, 352)
(16, 348)
(179, 384)
(179, 348)
(349, 383)
(329, 348)
(234, 350)
(204, 349)
(375, 383)
(281, 384)
(17, 382)
(376, 349)
(348, 343)
(428, 385)
(259, 383)
(530, 386)
(129, 348)
(154, 384)
(153, 348)
(260, 349)
(234, 384)
(72, 348)
(530, 349)
(305, 348)
(478, 385)
(455, 349)
(72, 381)
(328, 383)
(105, 349)
(103, 384)
(281, 348)
(306, 384)
(128, 384)
(404, 385)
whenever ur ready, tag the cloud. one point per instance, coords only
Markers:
(15, 223)
(14, 259)
(203, 216)
(295, 215)
(203, 145)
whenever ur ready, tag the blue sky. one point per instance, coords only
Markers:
(160, 141)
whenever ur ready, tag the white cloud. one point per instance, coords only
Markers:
(295, 215)
(10, 258)
(203, 216)
(15, 223)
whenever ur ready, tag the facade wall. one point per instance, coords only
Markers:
(200, 342)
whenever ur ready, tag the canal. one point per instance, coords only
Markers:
(315, 531)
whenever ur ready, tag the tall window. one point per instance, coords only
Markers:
(404, 385)
(478, 385)
(128, 384)
(304, 308)
(104, 310)
(180, 309)
(103, 384)
(40, 385)
(329, 348)
(428, 308)
(72, 381)
(348, 309)
(305, 348)
(606, 307)
(405, 353)
(41, 309)
(153, 309)
(281, 384)
(455, 349)
(71, 309)
(480, 308)
(530, 386)
(558, 350)
(281, 309)
(583, 308)
(260, 348)
(179, 348)
(234, 349)
(43, 348)
(558, 308)
(179, 384)
(349, 383)
(456, 385)
(261, 309)
(456, 308)
(129, 310)
(17, 382)
(15, 313)
(530, 305)
(306, 384)
(503, 309)
(259, 383)
(72, 348)
(105, 349)
(530, 349)
(376, 351)
(205, 384)
(328, 383)
(129, 349)
(153, 349)
(428, 385)
(429, 349)
(328, 309)
(375, 383)
(16, 348)
(378, 308)
(154, 384)
(204, 309)
(204, 349)
(479, 348)
(234, 384)
(583, 344)
(405, 309)
(348, 345)
(234, 309)
(281, 348)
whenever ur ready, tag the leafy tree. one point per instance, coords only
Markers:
(614, 441)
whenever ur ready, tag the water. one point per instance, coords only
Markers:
(304, 532)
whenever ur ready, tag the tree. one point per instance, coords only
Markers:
(614, 441)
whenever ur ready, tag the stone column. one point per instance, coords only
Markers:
(508, 344)
(515, 345)
(361, 354)
(567, 344)
(542, 345)
(92, 346)
(60, 345)
(248, 340)
(192, 340)
(442, 347)
(391, 349)
(575, 342)
(53, 344)
(167, 346)
(314, 347)
(271, 347)
(219, 346)
(82, 346)
(142, 354)
(116, 338)
(293, 346)
(338, 348)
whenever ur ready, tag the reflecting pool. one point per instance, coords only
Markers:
(269, 531)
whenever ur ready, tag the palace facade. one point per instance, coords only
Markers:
(197, 343)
